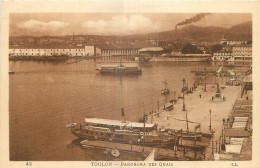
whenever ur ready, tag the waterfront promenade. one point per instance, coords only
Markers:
(197, 109)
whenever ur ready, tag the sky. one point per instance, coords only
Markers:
(41, 24)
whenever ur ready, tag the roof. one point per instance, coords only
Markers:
(46, 47)
(248, 78)
(242, 45)
(237, 133)
(151, 49)
(117, 123)
(235, 149)
(123, 45)
(223, 51)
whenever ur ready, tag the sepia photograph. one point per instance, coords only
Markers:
(113, 87)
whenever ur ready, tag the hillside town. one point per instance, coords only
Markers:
(229, 47)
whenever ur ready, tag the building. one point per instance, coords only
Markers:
(52, 51)
(236, 39)
(223, 55)
(242, 52)
(125, 49)
(232, 42)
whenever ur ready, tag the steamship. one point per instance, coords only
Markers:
(119, 69)
(121, 132)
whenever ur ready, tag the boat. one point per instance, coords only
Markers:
(127, 132)
(119, 69)
(165, 91)
(218, 71)
(143, 58)
(168, 106)
(182, 58)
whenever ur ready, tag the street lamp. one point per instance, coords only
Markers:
(183, 106)
(210, 120)
(205, 89)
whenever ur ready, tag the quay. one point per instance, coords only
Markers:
(225, 111)
(160, 153)
(199, 108)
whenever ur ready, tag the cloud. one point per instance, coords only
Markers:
(122, 25)
(43, 26)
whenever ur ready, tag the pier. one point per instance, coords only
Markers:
(199, 108)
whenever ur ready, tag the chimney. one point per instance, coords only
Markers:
(176, 32)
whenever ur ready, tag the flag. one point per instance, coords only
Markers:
(122, 112)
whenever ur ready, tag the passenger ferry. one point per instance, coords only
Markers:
(122, 132)
(119, 69)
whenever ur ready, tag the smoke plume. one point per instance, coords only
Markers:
(193, 19)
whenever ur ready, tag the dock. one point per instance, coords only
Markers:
(160, 153)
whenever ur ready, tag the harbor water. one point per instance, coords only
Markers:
(45, 96)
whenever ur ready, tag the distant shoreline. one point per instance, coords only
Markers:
(46, 57)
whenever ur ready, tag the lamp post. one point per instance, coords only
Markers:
(183, 106)
(205, 89)
(210, 120)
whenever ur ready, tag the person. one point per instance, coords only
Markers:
(200, 95)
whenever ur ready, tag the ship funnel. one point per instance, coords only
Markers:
(123, 114)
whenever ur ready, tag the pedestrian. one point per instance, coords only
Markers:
(200, 95)
(212, 98)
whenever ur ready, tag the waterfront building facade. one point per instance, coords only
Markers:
(223, 55)
(53, 51)
(242, 52)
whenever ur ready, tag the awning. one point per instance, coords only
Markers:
(117, 123)
(237, 133)
(235, 149)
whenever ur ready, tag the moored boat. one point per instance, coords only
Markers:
(119, 69)
(122, 132)
(165, 91)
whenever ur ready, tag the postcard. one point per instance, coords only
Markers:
(129, 84)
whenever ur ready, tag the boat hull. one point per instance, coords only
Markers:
(148, 141)
(138, 72)
(180, 59)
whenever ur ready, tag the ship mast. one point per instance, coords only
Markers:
(143, 129)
